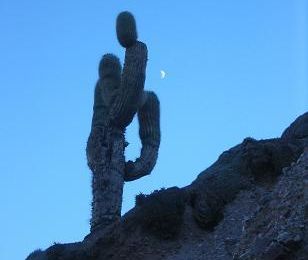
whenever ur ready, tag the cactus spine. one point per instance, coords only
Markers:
(118, 97)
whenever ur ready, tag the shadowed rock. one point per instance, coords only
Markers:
(250, 204)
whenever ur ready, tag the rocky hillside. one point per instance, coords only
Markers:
(252, 203)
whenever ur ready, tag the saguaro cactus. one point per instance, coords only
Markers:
(118, 97)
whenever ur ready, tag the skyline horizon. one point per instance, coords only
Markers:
(233, 70)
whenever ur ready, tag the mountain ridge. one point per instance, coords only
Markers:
(251, 203)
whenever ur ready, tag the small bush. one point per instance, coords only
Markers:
(161, 212)
(55, 252)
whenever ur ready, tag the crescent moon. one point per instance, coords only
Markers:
(162, 74)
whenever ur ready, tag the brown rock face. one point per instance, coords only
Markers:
(252, 203)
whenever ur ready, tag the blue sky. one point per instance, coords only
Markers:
(234, 69)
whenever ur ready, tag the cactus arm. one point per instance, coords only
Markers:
(99, 108)
(108, 83)
(129, 96)
(149, 132)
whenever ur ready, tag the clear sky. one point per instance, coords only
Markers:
(234, 69)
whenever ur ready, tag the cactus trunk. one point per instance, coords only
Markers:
(107, 177)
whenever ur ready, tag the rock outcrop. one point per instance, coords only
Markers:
(252, 203)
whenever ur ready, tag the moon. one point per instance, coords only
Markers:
(162, 74)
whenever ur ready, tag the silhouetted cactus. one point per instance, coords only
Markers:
(118, 96)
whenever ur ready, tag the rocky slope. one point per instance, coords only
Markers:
(252, 203)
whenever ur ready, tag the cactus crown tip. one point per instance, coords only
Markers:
(109, 64)
(125, 13)
(126, 29)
